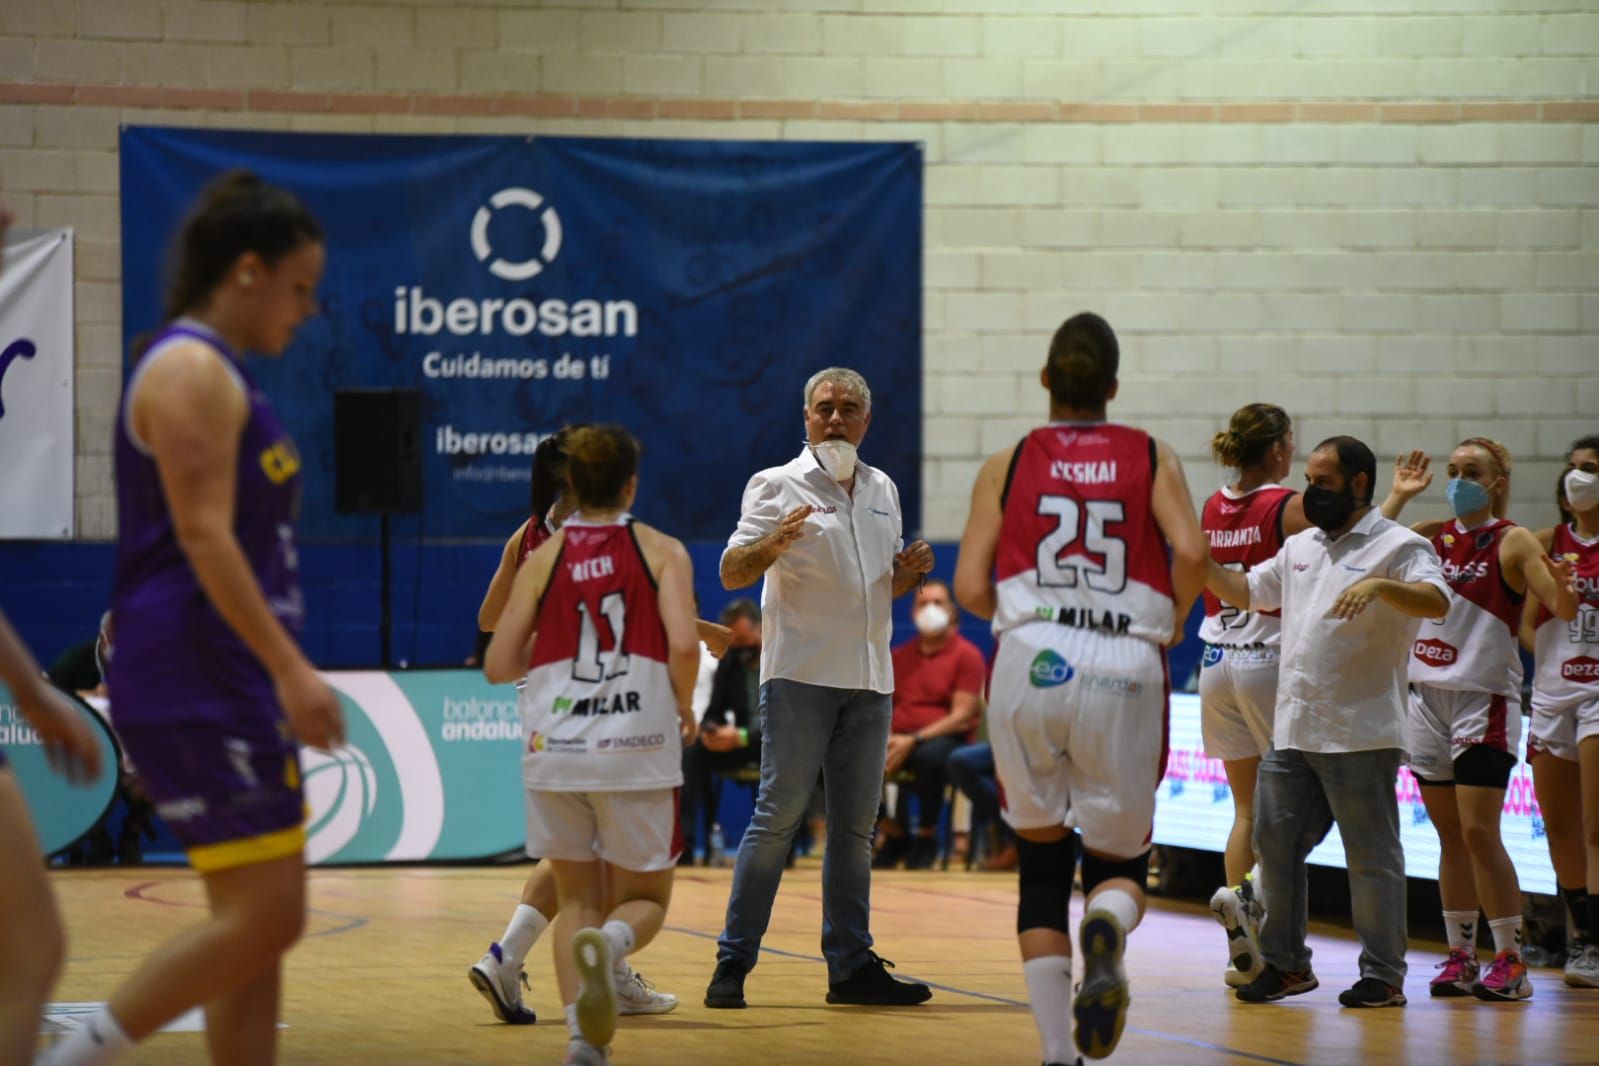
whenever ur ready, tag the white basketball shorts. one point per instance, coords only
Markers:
(637, 831)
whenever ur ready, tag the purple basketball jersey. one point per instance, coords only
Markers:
(175, 658)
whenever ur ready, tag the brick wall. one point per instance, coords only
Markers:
(1384, 218)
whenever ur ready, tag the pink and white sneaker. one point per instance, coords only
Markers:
(1505, 978)
(1458, 974)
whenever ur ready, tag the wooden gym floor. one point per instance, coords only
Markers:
(381, 978)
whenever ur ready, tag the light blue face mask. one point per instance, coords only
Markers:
(1466, 497)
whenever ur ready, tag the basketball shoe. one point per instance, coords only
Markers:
(1235, 908)
(1582, 966)
(1457, 974)
(596, 997)
(1506, 978)
(502, 987)
(635, 995)
(1100, 1007)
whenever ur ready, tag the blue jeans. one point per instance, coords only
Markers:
(810, 729)
(971, 768)
(1295, 794)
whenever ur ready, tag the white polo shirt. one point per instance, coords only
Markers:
(826, 601)
(1341, 685)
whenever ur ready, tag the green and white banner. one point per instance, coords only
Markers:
(62, 811)
(432, 770)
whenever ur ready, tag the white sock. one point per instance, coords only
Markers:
(1119, 902)
(97, 1042)
(572, 1028)
(1049, 988)
(1507, 933)
(620, 936)
(527, 925)
(1257, 887)
(1461, 928)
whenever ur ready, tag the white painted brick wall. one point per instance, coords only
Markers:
(1410, 283)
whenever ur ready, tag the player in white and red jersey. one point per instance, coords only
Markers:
(1244, 523)
(600, 621)
(1563, 746)
(1464, 716)
(1066, 549)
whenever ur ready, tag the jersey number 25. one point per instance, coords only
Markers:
(1082, 522)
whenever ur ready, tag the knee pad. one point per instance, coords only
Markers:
(1484, 767)
(1046, 872)
(1096, 871)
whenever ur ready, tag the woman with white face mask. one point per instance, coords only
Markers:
(1564, 744)
(1464, 715)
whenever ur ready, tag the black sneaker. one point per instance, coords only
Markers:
(1274, 984)
(872, 986)
(1372, 992)
(892, 853)
(923, 854)
(726, 990)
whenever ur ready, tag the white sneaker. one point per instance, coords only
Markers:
(635, 995)
(596, 997)
(1236, 914)
(501, 987)
(583, 1053)
(1582, 968)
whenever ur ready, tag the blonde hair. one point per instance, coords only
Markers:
(1501, 457)
(1249, 435)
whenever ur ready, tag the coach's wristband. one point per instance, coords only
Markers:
(743, 738)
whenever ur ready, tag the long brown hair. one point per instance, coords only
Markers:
(1249, 435)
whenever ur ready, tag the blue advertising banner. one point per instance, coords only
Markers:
(683, 288)
(62, 811)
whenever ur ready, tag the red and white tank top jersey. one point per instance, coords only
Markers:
(1078, 543)
(535, 533)
(1567, 653)
(1473, 648)
(1244, 530)
(598, 711)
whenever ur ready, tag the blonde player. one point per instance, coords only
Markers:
(1464, 715)
(1067, 550)
(603, 612)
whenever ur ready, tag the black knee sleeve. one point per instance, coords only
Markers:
(1046, 883)
(1096, 871)
(1484, 767)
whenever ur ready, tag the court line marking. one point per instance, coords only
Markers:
(136, 892)
(1191, 1041)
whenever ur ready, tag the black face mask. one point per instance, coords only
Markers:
(1326, 509)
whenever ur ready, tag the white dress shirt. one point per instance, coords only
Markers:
(1341, 685)
(703, 681)
(826, 601)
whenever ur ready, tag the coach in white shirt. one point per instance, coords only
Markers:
(1352, 594)
(825, 530)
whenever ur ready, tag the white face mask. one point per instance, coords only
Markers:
(931, 620)
(837, 458)
(1582, 489)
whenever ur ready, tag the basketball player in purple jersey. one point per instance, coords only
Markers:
(210, 687)
(31, 941)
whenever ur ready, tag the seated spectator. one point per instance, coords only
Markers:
(971, 769)
(730, 730)
(938, 685)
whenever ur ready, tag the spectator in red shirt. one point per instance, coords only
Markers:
(938, 686)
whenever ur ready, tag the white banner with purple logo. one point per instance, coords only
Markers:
(36, 423)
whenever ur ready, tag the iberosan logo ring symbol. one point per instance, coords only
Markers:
(516, 197)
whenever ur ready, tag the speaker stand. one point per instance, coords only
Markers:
(385, 595)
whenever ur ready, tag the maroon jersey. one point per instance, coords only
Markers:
(536, 532)
(1244, 531)
(1568, 652)
(1473, 647)
(598, 710)
(1078, 542)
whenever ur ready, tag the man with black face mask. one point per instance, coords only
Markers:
(1352, 592)
(730, 730)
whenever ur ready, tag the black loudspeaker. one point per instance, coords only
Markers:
(377, 451)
